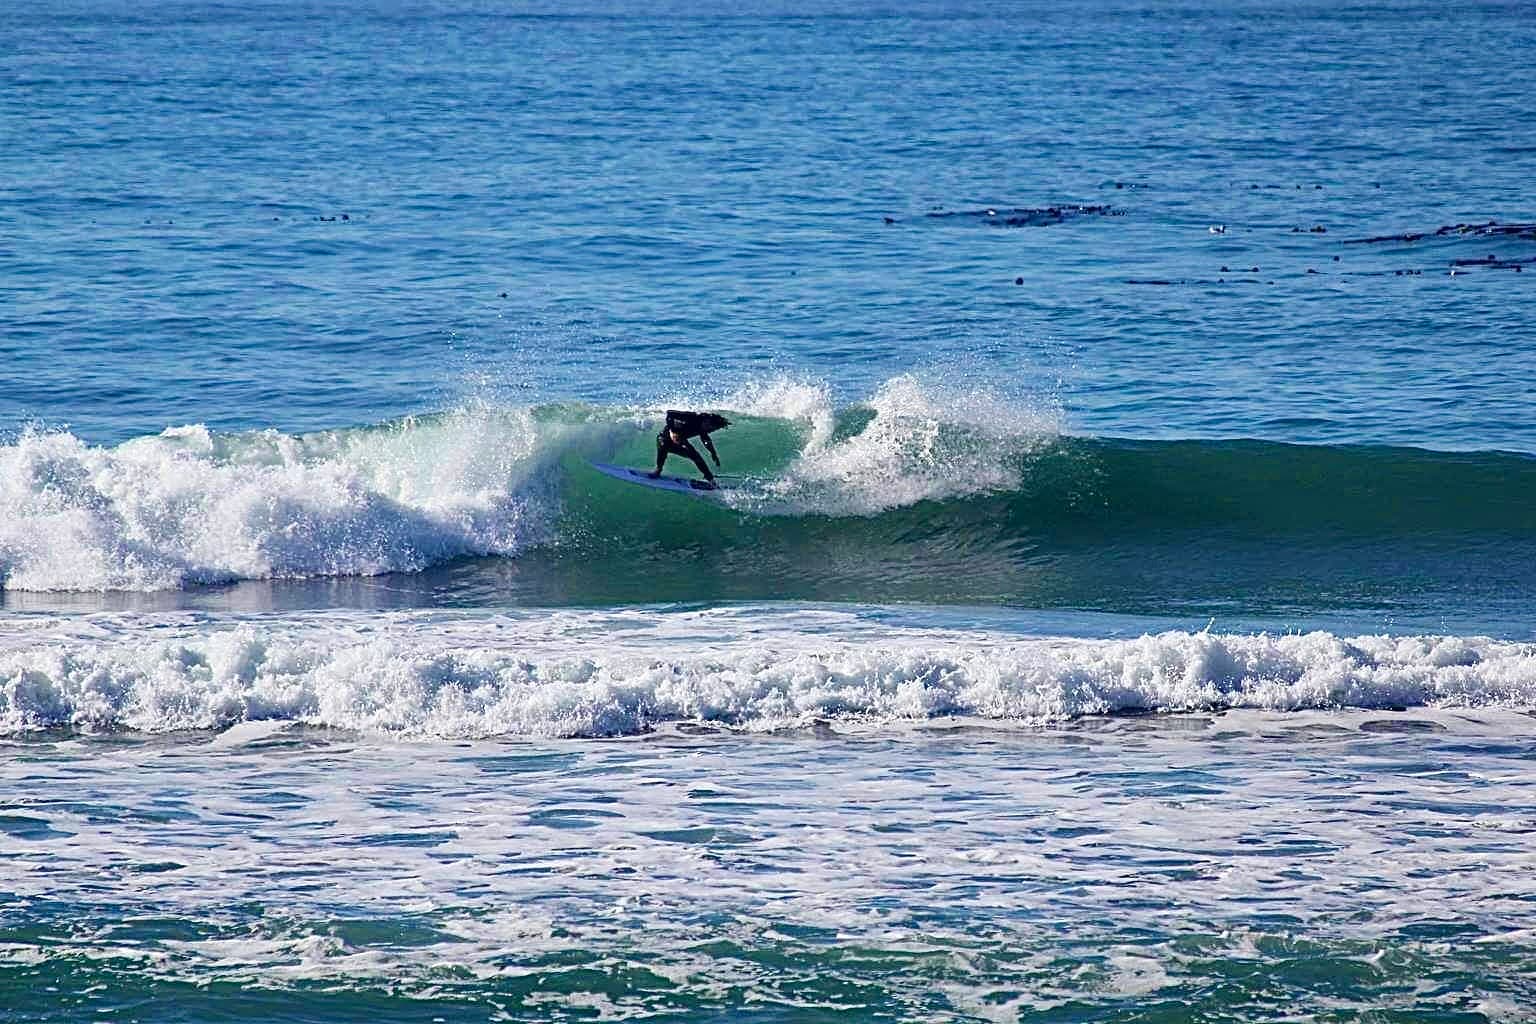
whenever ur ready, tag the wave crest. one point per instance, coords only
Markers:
(925, 491)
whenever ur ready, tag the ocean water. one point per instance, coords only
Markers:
(1124, 613)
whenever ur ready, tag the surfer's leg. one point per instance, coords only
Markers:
(698, 460)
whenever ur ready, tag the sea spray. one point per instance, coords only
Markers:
(785, 398)
(921, 443)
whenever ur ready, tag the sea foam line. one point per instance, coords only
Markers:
(492, 679)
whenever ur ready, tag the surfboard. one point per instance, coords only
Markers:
(679, 484)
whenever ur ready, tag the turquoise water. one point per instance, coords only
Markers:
(1125, 613)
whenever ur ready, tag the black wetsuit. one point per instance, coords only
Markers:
(686, 425)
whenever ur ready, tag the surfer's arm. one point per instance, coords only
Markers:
(661, 455)
(710, 445)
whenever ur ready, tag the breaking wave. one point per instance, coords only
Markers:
(918, 492)
(574, 676)
(190, 506)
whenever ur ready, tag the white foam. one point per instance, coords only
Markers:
(785, 398)
(596, 674)
(189, 506)
(924, 442)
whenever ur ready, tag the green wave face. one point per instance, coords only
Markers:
(1043, 520)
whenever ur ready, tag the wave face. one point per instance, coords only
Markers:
(918, 493)
(544, 676)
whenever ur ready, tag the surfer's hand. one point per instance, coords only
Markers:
(717, 460)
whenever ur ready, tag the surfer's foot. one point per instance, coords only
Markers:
(653, 476)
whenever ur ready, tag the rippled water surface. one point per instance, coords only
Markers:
(1116, 870)
(321, 215)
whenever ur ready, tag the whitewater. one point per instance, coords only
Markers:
(764, 669)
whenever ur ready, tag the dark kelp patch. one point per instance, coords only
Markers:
(1490, 229)
(1025, 217)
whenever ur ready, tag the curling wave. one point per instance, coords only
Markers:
(917, 493)
(190, 506)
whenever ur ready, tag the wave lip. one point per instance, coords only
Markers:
(536, 678)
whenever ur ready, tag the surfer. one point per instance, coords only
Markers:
(673, 439)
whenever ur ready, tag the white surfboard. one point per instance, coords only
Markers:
(681, 485)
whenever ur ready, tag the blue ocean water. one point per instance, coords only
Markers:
(1125, 612)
